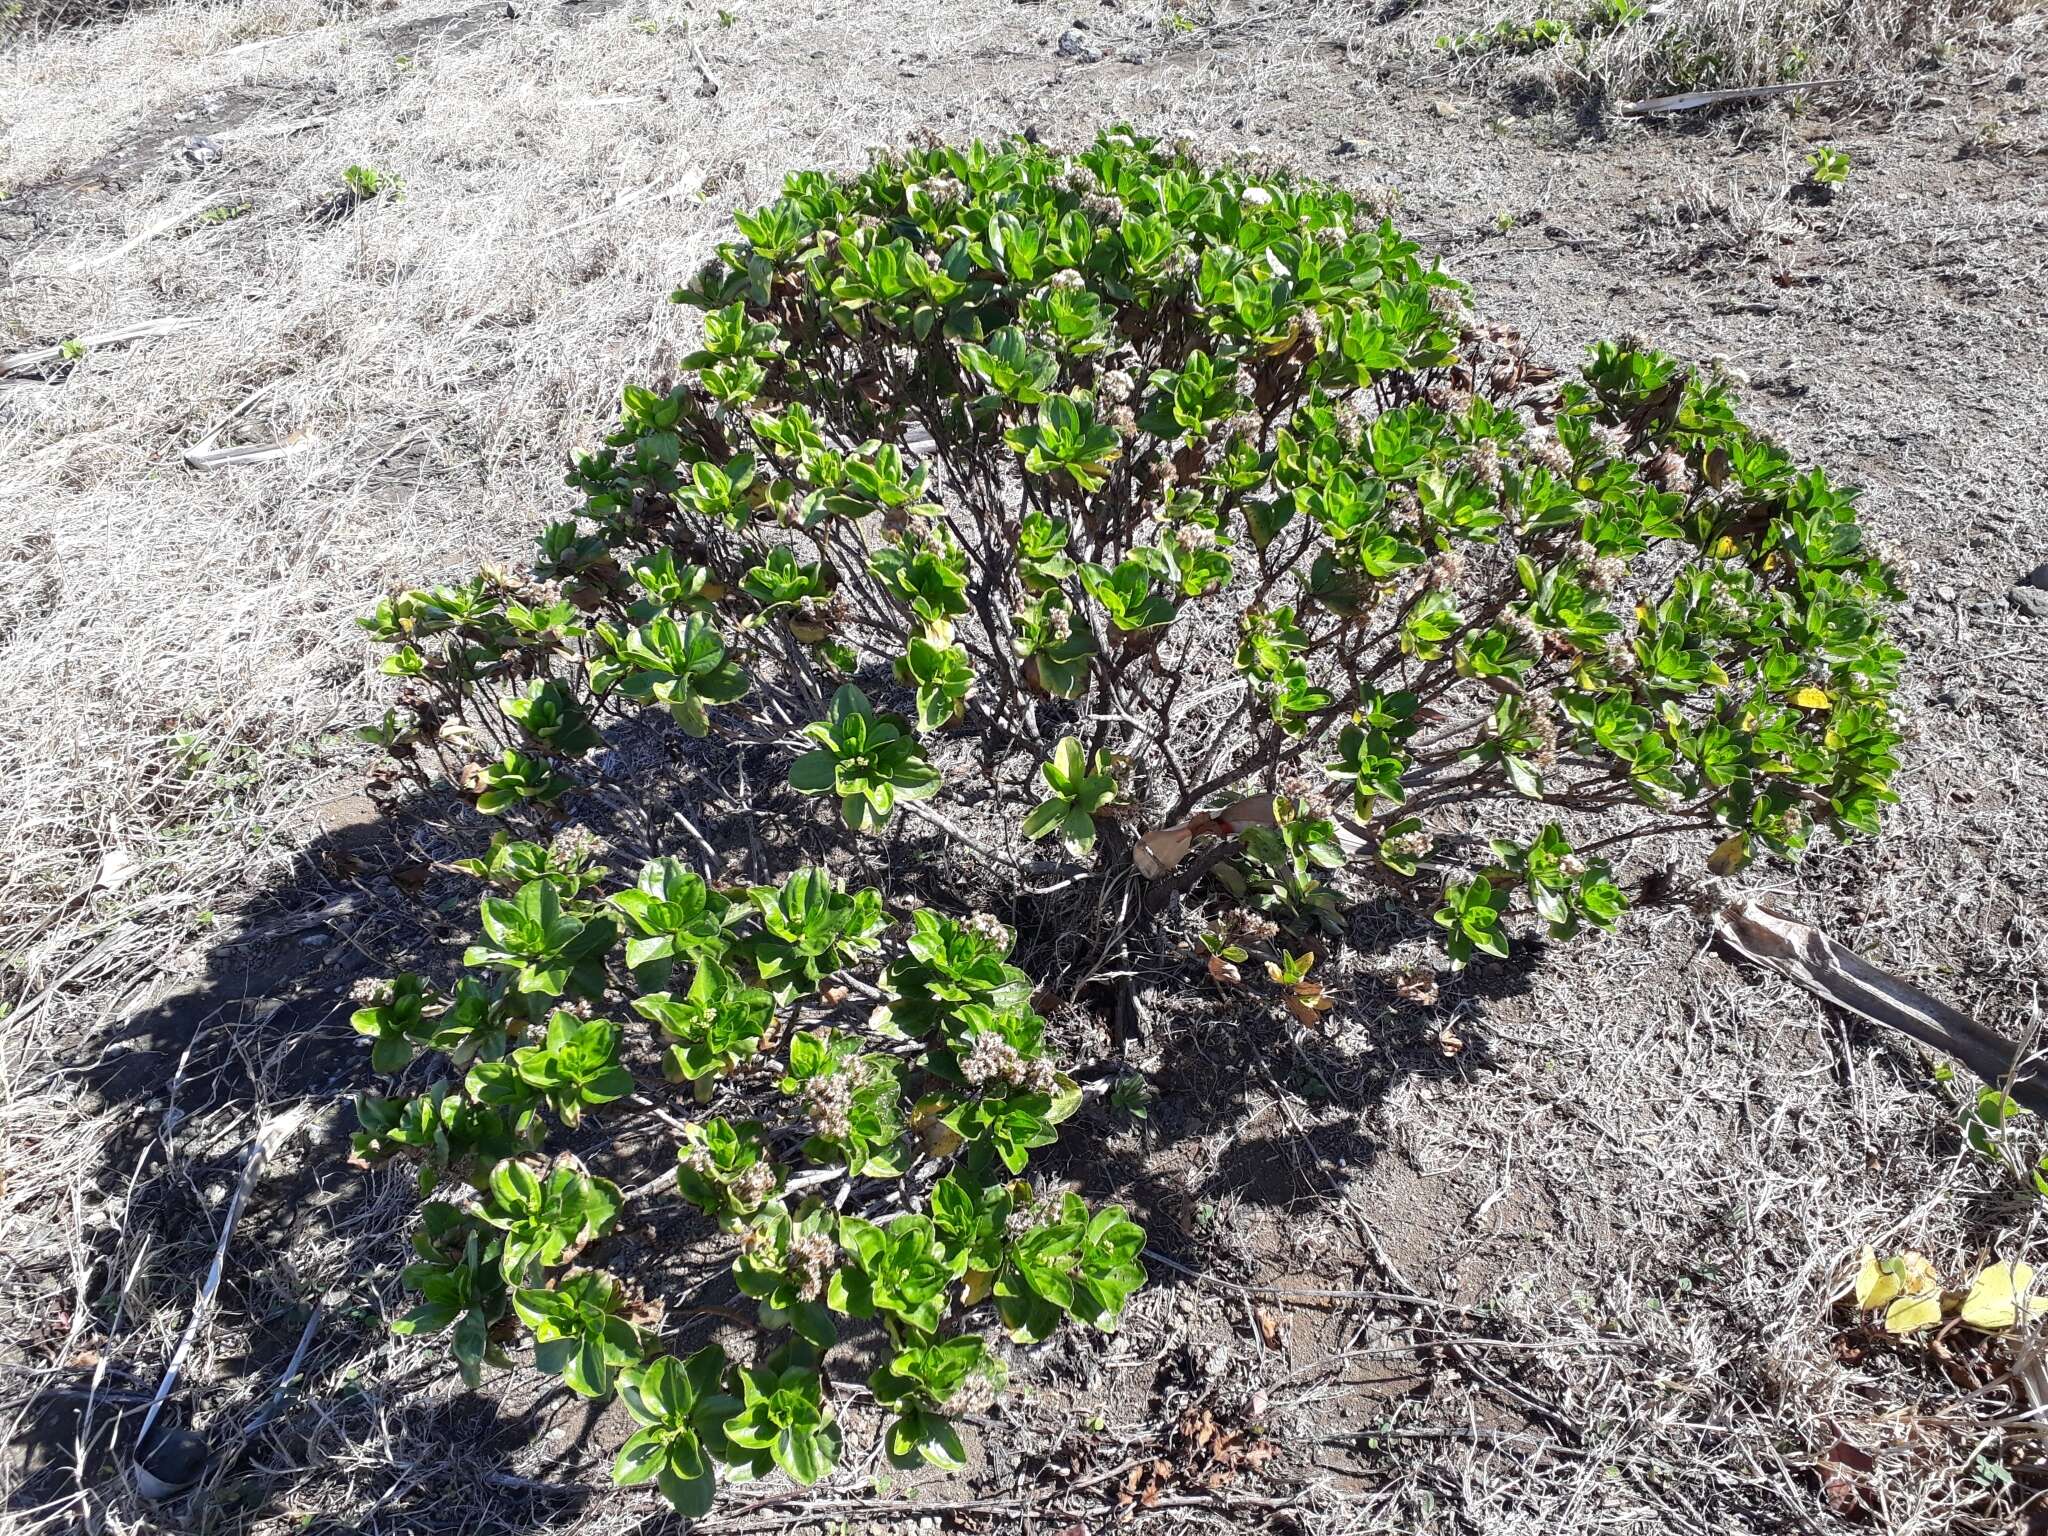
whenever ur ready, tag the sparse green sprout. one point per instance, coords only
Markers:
(71, 349)
(682, 666)
(394, 733)
(713, 1028)
(395, 1019)
(575, 1066)
(363, 183)
(1601, 19)
(1470, 918)
(1828, 167)
(545, 1221)
(1616, 15)
(918, 1383)
(783, 1421)
(515, 778)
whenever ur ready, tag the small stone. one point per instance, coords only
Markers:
(1945, 592)
(1444, 109)
(197, 149)
(1135, 56)
(2029, 600)
(1072, 45)
(1348, 147)
(2037, 577)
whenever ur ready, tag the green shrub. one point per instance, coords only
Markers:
(1210, 475)
(1197, 493)
(872, 1171)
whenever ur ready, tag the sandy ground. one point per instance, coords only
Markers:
(1624, 1186)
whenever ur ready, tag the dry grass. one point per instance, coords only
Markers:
(1658, 1185)
(1884, 50)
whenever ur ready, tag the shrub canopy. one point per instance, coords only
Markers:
(1205, 469)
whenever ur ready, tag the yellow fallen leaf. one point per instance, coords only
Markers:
(933, 1134)
(1911, 1313)
(975, 1286)
(1874, 1284)
(1995, 1296)
(1906, 1285)
(1810, 698)
(1726, 859)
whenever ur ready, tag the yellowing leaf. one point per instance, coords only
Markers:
(1917, 1271)
(1909, 1314)
(1810, 698)
(1994, 1300)
(1730, 856)
(1725, 548)
(937, 1138)
(1906, 1285)
(1873, 1286)
(1903, 1285)
(1308, 1011)
(975, 1286)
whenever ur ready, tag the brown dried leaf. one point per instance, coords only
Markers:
(1252, 811)
(1269, 1327)
(1225, 972)
(1307, 1010)
(1845, 1478)
(1418, 986)
(1159, 853)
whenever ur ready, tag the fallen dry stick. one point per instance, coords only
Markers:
(269, 1137)
(1689, 101)
(1810, 959)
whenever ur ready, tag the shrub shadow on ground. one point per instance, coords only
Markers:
(293, 1382)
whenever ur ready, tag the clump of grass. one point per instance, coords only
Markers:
(1623, 50)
